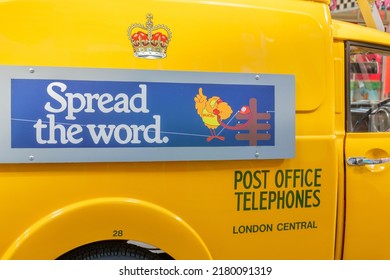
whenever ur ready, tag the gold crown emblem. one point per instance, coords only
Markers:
(149, 41)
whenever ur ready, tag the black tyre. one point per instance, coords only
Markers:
(109, 250)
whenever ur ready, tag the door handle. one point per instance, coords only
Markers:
(360, 161)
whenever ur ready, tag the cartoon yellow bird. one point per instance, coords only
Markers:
(212, 111)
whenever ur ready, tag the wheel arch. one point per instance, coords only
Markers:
(102, 219)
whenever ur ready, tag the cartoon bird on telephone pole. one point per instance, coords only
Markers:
(213, 111)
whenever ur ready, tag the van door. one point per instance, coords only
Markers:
(367, 152)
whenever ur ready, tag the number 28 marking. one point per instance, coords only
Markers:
(117, 233)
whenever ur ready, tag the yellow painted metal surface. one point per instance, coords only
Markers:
(367, 195)
(353, 32)
(94, 217)
(339, 62)
(255, 209)
(370, 14)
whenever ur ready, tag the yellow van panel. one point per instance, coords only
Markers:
(255, 39)
(254, 209)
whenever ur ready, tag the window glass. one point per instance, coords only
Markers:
(369, 89)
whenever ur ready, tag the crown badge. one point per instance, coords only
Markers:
(149, 41)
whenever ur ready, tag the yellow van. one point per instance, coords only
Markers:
(248, 129)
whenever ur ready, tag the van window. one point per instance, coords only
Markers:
(368, 86)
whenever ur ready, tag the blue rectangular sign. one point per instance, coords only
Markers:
(84, 114)
(183, 113)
